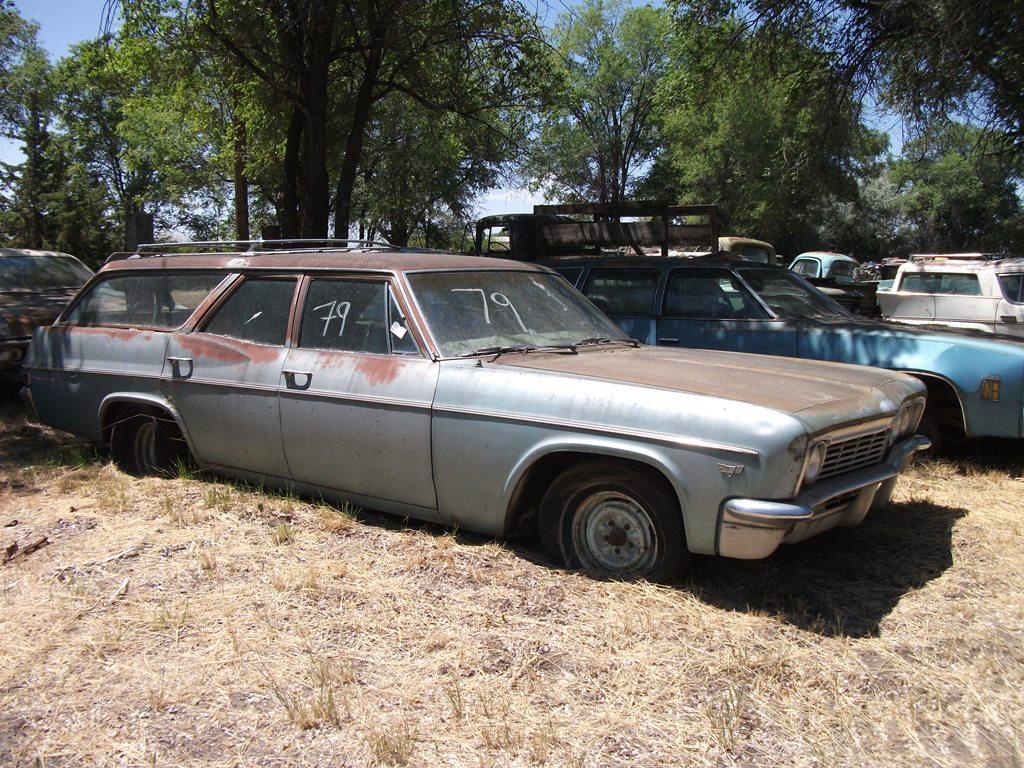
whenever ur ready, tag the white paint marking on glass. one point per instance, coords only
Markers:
(336, 310)
(508, 303)
(483, 298)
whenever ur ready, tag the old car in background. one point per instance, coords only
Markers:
(483, 393)
(834, 275)
(34, 287)
(975, 384)
(975, 291)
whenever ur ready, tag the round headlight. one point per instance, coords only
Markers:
(814, 462)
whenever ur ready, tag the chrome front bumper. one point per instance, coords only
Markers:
(753, 528)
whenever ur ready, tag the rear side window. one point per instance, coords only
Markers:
(257, 311)
(1013, 287)
(625, 291)
(161, 300)
(941, 283)
(700, 292)
(346, 315)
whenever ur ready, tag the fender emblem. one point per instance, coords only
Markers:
(730, 470)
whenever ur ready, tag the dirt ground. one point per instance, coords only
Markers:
(191, 622)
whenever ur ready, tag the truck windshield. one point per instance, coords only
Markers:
(789, 296)
(479, 311)
(41, 273)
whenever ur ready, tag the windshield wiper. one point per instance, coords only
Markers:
(499, 351)
(595, 340)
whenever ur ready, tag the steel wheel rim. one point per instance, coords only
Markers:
(144, 445)
(612, 532)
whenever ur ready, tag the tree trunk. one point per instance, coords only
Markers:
(288, 208)
(354, 141)
(240, 178)
(314, 193)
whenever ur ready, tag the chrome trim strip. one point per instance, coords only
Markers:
(101, 371)
(368, 399)
(658, 437)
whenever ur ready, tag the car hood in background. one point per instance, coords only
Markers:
(780, 383)
(23, 311)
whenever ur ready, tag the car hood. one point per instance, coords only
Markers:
(23, 311)
(781, 383)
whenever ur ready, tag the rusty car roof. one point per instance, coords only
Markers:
(369, 260)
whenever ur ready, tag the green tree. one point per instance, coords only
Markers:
(762, 136)
(957, 196)
(598, 136)
(928, 60)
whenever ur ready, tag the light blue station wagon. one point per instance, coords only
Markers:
(468, 391)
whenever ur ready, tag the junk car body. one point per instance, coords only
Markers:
(34, 287)
(975, 383)
(973, 291)
(476, 392)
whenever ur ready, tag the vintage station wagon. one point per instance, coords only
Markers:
(476, 392)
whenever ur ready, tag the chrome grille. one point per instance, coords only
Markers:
(854, 453)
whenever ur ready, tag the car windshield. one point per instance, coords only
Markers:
(41, 273)
(488, 310)
(789, 296)
(842, 271)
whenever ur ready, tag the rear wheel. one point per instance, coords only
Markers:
(613, 521)
(146, 444)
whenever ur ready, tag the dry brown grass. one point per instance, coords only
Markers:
(252, 629)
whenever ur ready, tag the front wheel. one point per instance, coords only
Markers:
(613, 521)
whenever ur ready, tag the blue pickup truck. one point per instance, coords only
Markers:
(974, 380)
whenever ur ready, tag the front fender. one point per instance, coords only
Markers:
(650, 455)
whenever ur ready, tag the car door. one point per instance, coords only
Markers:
(357, 393)
(626, 295)
(223, 377)
(708, 308)
(111, 341)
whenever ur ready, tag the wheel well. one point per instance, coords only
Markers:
(125, 409)
(521, 517)
(943, 402)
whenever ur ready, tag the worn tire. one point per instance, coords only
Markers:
(147, 444)
(613, 521)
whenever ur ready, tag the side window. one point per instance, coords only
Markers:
(257, 311)
(698, 292)
(942, 283)
(402, 342)
(163, 300)
(572, 276)
(1013, 287)
(347, 315)
(806, 267)
(627, 292)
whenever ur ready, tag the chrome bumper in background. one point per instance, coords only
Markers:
(753, 528)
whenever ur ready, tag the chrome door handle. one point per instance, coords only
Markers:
(667, 340)
(176, 367)
(291, 376)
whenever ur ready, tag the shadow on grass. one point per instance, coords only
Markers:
(843, 582)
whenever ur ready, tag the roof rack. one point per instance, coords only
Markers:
(312, 245)
(972, 256)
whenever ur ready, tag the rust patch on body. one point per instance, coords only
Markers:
(230, 351)
(378, 369)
